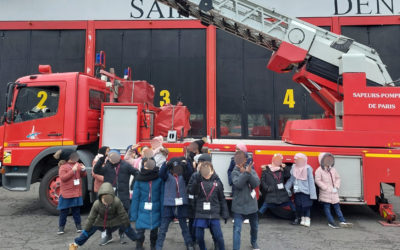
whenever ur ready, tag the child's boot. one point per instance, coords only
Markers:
(73, 246)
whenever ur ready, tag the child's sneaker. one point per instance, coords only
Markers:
(60, 230)
(104, 241)
(307, 222)
(303, 221)
(346, 224)
(246, 221)
(333, 225)
(79, 228)
(122, 239)
(255, 247)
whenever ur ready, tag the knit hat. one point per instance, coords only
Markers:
(242, 147)
(114, 156)
(108, 198)
(205, 157)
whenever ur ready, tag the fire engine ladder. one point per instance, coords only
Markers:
(325, 54)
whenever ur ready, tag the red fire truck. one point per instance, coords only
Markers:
(47, 112)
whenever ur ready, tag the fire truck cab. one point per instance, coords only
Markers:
(47, 112)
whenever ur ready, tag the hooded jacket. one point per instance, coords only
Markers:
(116, 214)
(269, 185)
(327, 180)
(218, 205)
(147, 219)
(121, 183)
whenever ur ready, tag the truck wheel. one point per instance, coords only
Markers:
(49, 190)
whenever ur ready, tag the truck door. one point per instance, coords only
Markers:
(38, 121)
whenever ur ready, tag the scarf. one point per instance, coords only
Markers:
(300, 172)
(147, 174)
(273, 168)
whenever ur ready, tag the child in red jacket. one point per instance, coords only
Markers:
(70, 173)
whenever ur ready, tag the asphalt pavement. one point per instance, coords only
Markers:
(25, 225)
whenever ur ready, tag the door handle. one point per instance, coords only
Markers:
(54, 134)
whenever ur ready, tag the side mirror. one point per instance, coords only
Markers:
(9, 116)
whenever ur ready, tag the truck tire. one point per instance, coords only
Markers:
(49, 190)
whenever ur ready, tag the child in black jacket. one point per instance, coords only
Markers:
(210, 204)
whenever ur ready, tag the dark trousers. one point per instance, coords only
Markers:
(76, 213)
(265, 206)
(216, 233)
(153, 236)
(165, 221)
(86, 235)
(192, 231)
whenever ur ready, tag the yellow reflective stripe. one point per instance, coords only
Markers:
(383, 155)
(68, 143)
(272, 152)
(175, 150)
(40, 144)
(5, 144)
(46, 143)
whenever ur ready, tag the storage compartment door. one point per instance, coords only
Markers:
(119, 126)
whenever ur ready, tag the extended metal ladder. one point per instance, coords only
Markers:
(255, 22)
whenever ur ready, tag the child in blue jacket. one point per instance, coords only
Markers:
(175, 174)
(147, 203)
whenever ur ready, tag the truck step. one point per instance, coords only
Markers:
(16, 174)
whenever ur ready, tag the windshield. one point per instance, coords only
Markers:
(36, 102)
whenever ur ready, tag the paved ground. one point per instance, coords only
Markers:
(25, 225)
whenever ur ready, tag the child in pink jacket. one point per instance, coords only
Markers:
(328, 181)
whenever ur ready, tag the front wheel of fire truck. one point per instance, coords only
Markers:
(49, 190)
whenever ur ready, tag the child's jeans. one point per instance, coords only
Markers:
(336, 207)
(165, 221)
(216, 232)
(237, 229)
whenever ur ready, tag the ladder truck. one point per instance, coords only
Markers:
(51, 111)
(347, 79)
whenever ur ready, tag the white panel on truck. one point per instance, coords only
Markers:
(119, 126)
(350, 171)
(221, 161)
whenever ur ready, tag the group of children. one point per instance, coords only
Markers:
(279, 182)
(187, 190)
